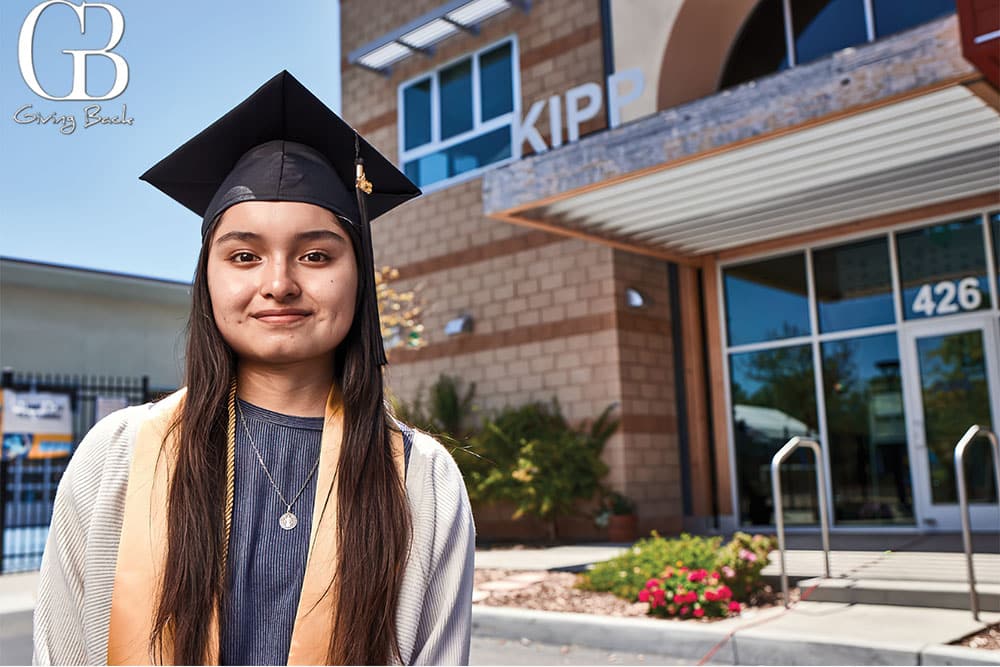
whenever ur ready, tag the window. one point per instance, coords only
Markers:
(818, 28)
(892, 16)
(774, 398)
(942, 269)
(457, 120)
(826, 26)
(781, 284)
(866, 424)
(814, 347)
(853, 285)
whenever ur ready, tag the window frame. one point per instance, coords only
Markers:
(816, 339)
(479, 127)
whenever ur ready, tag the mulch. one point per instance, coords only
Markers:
(988, 639)
(555, 591)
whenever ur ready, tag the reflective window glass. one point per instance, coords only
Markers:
(892, 16)
(455, 92)
(417, 106)
(942, 269)
(853, 285)
(825, 26)
(760, 48)
(496, 82)
(954, 390)
(869, 463)
(773, 399)
(767, 300)
(460, 158)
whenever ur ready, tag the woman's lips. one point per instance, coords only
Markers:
(282, 317)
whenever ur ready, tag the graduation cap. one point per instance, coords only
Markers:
(283, 144)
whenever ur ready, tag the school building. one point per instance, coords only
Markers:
(739, 220)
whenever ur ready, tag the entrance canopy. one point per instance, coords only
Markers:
(899, 124)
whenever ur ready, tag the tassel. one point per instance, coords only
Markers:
(363, 188)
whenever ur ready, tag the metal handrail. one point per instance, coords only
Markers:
(963, 500)
(779, 513)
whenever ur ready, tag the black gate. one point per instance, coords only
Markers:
(28, 486)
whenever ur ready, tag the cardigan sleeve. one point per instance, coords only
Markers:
(445, 628)
(60, 635)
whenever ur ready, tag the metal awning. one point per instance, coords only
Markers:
(421, 34)
(940, 146)
(772, 159)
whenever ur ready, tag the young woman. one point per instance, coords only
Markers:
(272, 511)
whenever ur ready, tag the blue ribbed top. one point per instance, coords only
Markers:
(267, 563)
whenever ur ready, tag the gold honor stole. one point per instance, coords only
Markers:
(142, 547)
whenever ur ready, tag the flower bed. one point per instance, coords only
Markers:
(688, 576)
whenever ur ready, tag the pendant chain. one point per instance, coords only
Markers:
(270, 479)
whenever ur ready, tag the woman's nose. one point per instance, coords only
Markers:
(279, 281)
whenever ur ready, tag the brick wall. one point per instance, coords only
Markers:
(548, 311)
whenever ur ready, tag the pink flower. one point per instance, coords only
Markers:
(728, 572)
(652, 583)
(658, 597)
(679, 597)
(669, 572)
(685, 610)
(734, 607)
(698, 613)
(748, 555)
(697, 575)
(644, 595)
(710, 595)
(724, 592)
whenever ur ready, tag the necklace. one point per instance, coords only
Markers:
(288, 520)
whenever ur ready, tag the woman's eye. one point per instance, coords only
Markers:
(316, 256)
(243, 257)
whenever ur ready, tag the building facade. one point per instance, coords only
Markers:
(739, 221)
(62, 320)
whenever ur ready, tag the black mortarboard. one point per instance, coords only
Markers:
(283, 144)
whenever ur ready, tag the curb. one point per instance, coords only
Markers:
(752, 646)
(633, 635)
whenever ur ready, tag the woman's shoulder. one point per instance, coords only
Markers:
(425, 449)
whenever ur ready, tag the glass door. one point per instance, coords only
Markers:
(954, 382)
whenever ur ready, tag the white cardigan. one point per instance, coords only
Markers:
(73, 612)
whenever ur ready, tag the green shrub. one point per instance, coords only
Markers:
(741, 561)
(446, 414)
(532, 457)
(627, 574)
(736, 565)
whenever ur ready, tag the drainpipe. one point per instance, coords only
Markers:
(608, 48)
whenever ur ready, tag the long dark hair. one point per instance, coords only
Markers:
(373, 520)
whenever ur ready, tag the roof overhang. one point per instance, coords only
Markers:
(796, 152)
(420, 35)
(38, 275)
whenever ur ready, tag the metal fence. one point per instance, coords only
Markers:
(28, 486)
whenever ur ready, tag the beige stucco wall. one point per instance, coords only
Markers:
(641, 29)
(681, 47)
(61, 331)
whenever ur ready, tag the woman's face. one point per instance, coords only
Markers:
(283, 281)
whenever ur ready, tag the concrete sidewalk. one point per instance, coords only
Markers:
(809, 633)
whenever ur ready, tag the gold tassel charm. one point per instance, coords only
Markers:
(360, 182)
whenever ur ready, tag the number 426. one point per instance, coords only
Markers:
(951, 297)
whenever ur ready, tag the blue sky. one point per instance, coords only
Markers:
(75, 199)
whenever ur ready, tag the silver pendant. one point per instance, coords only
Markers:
(288, 521)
